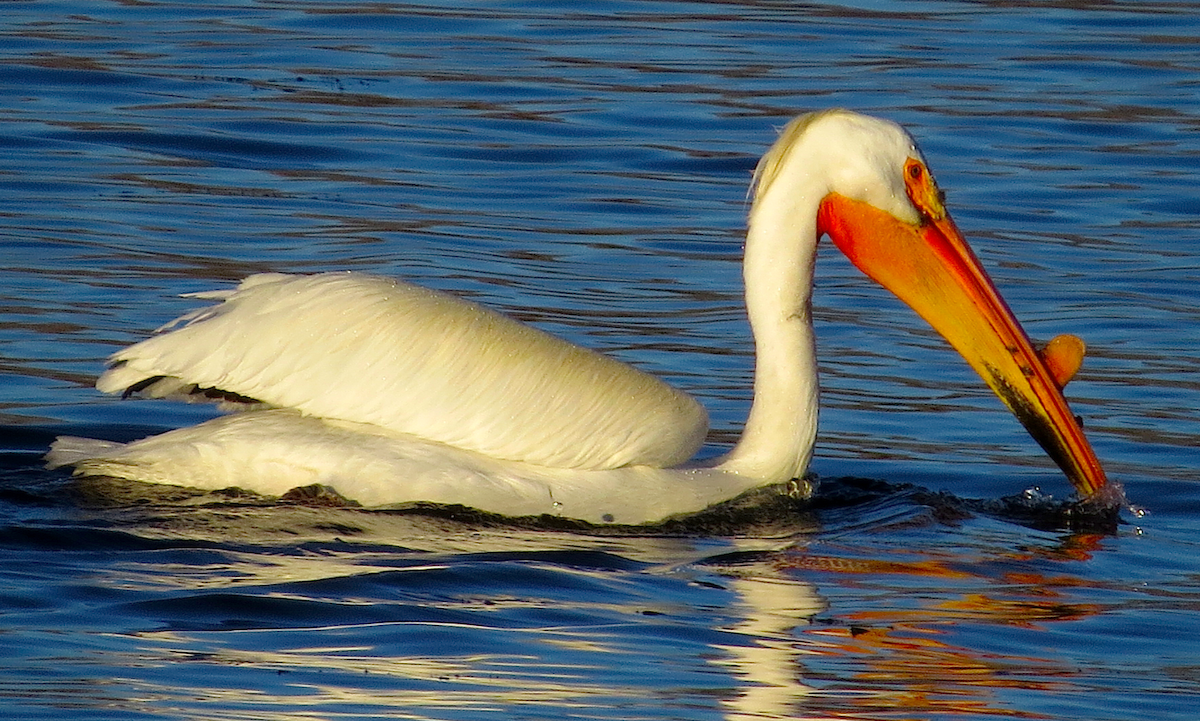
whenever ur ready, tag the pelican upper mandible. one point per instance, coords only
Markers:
(392, 393)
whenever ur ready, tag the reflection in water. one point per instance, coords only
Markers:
(908, 651)
(235, 608)
(767, 664)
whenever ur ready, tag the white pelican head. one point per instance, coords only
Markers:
(878, 202)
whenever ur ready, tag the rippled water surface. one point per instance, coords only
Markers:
(584, 166)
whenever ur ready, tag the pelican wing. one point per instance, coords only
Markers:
(412, 360)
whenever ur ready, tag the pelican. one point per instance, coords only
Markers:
(391, 393)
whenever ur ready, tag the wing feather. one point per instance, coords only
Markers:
(374, 350)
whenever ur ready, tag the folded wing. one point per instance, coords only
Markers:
(373, 350)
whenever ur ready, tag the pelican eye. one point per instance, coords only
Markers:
(922, 191)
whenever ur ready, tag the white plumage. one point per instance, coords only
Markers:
(272, 451)
(392, 393)
(359, 348)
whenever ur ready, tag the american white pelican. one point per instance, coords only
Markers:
(391, 393)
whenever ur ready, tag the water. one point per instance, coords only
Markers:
(584, 166)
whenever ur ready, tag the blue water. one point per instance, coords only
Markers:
(583, 166)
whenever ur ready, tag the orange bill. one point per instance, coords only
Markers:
(930, 267)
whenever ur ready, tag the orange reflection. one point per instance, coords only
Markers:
(898, 657)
